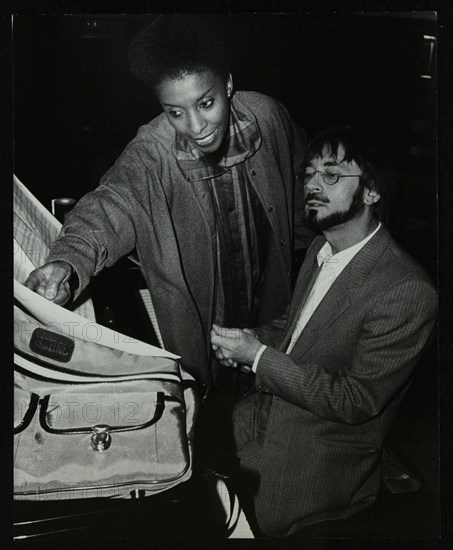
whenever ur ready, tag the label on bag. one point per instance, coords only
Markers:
(52, 345)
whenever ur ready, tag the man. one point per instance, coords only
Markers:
(204, 194)
(331, 373)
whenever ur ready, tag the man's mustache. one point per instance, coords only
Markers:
(316, 197)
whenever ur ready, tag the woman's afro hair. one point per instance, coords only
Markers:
(175, 45)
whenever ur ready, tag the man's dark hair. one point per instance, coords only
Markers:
(175, 45)
(368, 154)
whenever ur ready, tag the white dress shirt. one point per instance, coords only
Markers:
(332, 266)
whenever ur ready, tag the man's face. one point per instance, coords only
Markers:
(197, 106)
(328, 206)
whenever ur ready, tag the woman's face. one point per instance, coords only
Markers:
(197, 106)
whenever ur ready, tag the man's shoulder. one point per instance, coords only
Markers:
(405, 264)
(392, 264)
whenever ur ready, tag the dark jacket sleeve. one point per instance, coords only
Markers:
(302, 235)
(272, 333)
(101, 228)
(397, 325)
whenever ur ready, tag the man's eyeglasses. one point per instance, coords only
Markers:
(331, 178)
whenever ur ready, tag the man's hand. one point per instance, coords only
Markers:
(51, 281)
(233, 346)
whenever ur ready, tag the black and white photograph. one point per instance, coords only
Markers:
(226, 276)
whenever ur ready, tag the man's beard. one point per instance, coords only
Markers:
(312, 221)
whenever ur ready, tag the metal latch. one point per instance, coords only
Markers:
(101, 438)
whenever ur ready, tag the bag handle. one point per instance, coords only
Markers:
(28, 416)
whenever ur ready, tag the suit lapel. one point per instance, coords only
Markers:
(334, 303)
(341, 293)
(305, 281)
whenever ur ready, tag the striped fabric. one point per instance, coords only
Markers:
(335, 395)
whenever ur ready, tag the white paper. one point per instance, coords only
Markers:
(72, 325)
(35, 229)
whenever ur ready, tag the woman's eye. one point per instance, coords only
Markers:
(207, 103)
(175, 114)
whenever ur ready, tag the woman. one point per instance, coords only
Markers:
(204, 193)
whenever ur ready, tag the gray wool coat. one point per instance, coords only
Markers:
(145, 202)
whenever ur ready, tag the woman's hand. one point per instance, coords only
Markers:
(51, 281)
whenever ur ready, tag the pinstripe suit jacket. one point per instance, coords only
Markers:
(335, 395)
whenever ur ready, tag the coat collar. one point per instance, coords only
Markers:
(338, 297)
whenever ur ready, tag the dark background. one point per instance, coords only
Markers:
(76, 106)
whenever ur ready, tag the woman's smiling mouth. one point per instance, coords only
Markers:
(207, 140)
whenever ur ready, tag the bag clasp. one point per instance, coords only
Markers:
(101, 438)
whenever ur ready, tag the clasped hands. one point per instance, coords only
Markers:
(234, 346)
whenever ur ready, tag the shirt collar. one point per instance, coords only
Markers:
(243, 138)
(340, 260)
